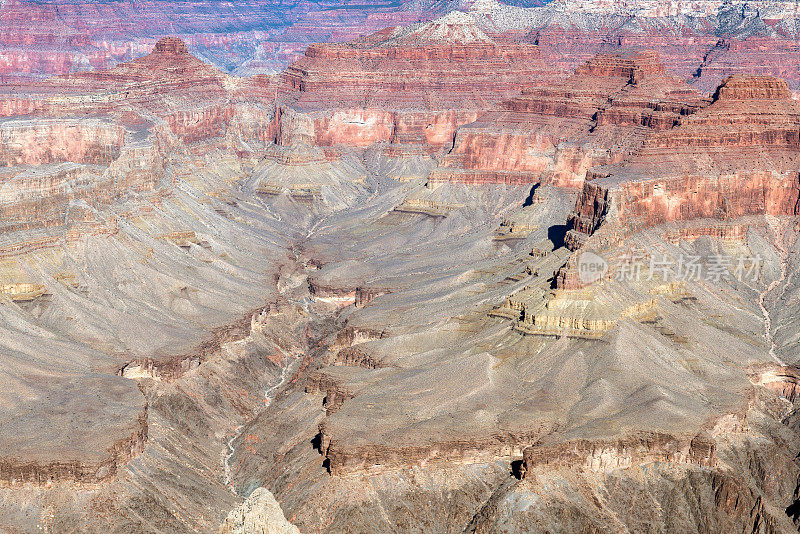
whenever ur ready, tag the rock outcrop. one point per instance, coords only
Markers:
(733, 158)
(259, 514)
(22, 466)
(97, 138)
(256, 36)
(624, 452)
(700, 41)
(554, 134)
(406, 85)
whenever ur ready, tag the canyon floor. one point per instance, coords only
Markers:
(369, 388)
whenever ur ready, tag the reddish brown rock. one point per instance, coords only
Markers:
(555, 134)
(17, 471)
(98, 137)
(61, 36)
(406, 85)
(736, 157)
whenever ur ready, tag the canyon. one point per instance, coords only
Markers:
(352, 295)
(553, 134)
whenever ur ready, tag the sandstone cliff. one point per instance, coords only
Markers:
(731, 159)
(554, 134)
(407, 85)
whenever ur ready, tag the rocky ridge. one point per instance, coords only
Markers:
(733, 158)
(554, 134)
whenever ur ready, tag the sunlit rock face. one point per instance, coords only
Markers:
(99, 137)
(700, 41)
(555, 133)
(412, 85)
(46, 38)
(735, 157)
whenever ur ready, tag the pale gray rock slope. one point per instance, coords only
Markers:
(406, 407)
(259, 514)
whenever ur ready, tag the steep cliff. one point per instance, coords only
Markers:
(555, 133)
(733, 158)
(409, 85)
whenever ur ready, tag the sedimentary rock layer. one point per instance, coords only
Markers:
(623, 452)
(733, 158)
(406, 85)
(554, 134)
(46, 38)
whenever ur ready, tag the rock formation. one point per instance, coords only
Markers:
(733, 158)
(405, 85)
(554, 134)
(101, 136)
(700, 41)
(47, 38)
(259, 514)
(624, 452)
(352, 297)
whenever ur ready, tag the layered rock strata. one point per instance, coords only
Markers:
(624, 452)
(700, 41)
(99, 138)
(733, 158)
(554, 134)
(412, 85)
(43, 39)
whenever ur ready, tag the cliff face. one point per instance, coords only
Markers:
(700, 41)
(50, 141)
(733, 158)
(16, 469)
(554, 134)
(705, 41)
(101, 137)
(408, 85)
(624, 452)
(52, 38)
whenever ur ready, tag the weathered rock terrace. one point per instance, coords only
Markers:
(736, 157)
(554, 134)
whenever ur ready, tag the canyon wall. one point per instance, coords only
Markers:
(623, 452)
(37, 143)
(15, 471)
(731, 159)
(412, 85)
(47, 38)
(554, 134)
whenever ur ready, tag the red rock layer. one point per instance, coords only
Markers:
(410, 85)
(555, 134)
(96, 137)
(700, 51)
(26, 143)
(736, 157)
(61, 36)
(345, 460)
(682, 49)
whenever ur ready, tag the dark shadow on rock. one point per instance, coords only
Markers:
(556, 234)
(316, 442)
(529, 200)
(518, 469)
